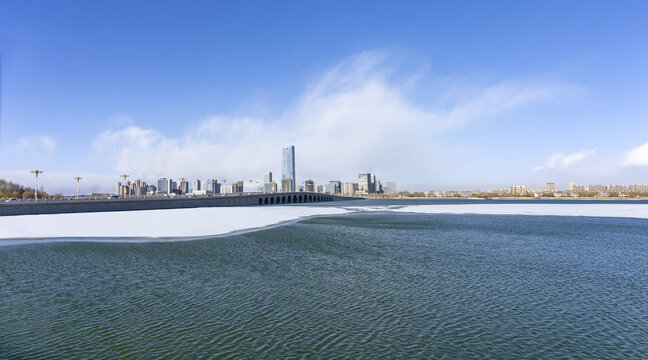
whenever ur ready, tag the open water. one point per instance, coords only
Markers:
(367, 285)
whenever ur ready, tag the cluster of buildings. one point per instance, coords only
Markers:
(367, 184)
(574, 190)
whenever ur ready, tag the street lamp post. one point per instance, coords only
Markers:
(36, 173)
(77, 180)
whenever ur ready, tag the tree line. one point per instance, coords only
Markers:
(11, 190)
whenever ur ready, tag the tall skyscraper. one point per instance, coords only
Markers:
(267, 177)
(288, 166)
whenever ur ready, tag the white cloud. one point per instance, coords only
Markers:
(563, 161)
(637, 156)
(356, 117)
(37, 143)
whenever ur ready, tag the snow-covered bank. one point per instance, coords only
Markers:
(175, 223)
(568, 209)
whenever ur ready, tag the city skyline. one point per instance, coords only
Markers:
(425, 101)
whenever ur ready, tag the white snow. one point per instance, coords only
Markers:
(174, 223)
(628, 210)
(202, 222)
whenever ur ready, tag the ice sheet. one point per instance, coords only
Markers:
(173, 223)
(629, 210)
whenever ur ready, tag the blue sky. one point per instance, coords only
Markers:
(433, 95)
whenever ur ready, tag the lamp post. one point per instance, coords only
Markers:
(36, 173)
(77, 180)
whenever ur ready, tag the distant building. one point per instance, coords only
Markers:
(211, 186)
(287, 185)
(366, 183)
(309, 185)
(597, 188)
(183, 187)
(319, 189)
(118, 190)
(267, 177)
(288, 167)
(550, 188)
(226, 189)
(196, 185)
(270, 187)
(333, 187)
(618, 188)
(164, 186)
(639, 188)
(237, 187)
(518, 190)
(390, 188)
(576, 187)
(349, 189)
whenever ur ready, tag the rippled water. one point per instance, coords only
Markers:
(369, 285)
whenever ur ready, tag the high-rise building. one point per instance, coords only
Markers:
(367, 183)
(349, 188)
(211, 186)
(287, 185)
(288, 166)
(196, 185)
(164, 186)
(576, 187)
(333, 187)
(267, 177)
(309, 186)
(518, 190)
(118, 190)
(183, 186)
(237, 187)
(550, 188)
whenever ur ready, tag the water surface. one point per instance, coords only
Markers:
(365, 285)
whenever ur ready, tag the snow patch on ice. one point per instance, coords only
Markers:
(174, 223)
(573, 209)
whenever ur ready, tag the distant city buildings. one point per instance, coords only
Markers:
(367, 184)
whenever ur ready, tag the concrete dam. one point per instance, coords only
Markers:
(130, 204)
